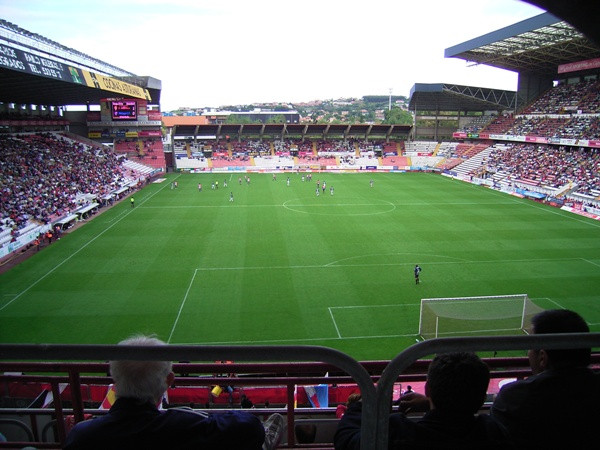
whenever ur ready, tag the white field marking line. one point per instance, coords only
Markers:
(330, 308)
(556, 303)
(182, 305)
(288, 340)
(562, 307)
(334, 323)
(141, 202)
(284, 205)
(588, 261)
(122, 213)
(72, 254)
(270, 341)
(421, 255)
(328, 205)
(208, 206)
(567, 215)
(289, 208)
(374, 306)
(480, 331)
(435, 263)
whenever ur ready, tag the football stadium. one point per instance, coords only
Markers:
(315, 260)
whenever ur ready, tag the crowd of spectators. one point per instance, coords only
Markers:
(251, 148)
(310, 149)
(292, 146)
(568, 98)
(538, 126)
(582, 127)
(476, 124)
(335, 146)
(42, 174)
(548, 165)
(577, 103)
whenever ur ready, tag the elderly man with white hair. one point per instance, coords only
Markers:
(135, 422)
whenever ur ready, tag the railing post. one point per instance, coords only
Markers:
(60, 417)
(209, 353)
(467, 344)
(291, 408)
(76, 398)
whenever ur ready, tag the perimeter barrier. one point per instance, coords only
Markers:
(16, 361)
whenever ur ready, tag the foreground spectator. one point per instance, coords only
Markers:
(456, 389)
(135, 422)
(559, 406)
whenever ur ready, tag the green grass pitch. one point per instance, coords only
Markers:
(281, 266)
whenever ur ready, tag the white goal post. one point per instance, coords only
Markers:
(468, 316)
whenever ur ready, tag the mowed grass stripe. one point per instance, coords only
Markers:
(319, 281)
(127, 270)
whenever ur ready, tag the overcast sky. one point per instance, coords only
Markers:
(213, 53)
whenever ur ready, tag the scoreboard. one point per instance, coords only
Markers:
(124, 110)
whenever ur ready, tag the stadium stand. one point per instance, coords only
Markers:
(30, 192)
(566, 170)
(414, 148)
(79, 389)
(499, 124)
(51, 180)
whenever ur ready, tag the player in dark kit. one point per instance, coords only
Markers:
(417, 272)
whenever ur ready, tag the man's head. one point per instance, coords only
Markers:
(143, 380)
(558, 321)
(457, 382)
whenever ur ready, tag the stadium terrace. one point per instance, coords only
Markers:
(290, 266)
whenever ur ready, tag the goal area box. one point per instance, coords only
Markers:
(479, 316)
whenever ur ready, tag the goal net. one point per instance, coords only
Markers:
(480, 316)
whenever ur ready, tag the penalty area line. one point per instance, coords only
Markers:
(181, 306)
(273, 341)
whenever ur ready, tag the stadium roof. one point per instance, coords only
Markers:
(22, 88)
(582, 14)
(454, 97)
(38, 71)
(536, 45)
(364, 131)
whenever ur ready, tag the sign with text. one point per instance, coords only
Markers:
(98, 81)
(16, 59)
(588, 64)
(45, 66)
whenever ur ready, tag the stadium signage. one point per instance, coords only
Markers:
(588, 64)
(114, 85)
(14, 58)
(9, 58)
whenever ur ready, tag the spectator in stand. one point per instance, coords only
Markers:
(135, 422)
(547, 165)
(538, 412)
(41, 175)
(456, 389)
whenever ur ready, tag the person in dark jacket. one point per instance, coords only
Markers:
(135, 422)
(455, 391)
(539, 412)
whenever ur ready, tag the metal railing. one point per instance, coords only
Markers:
(376, 391)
